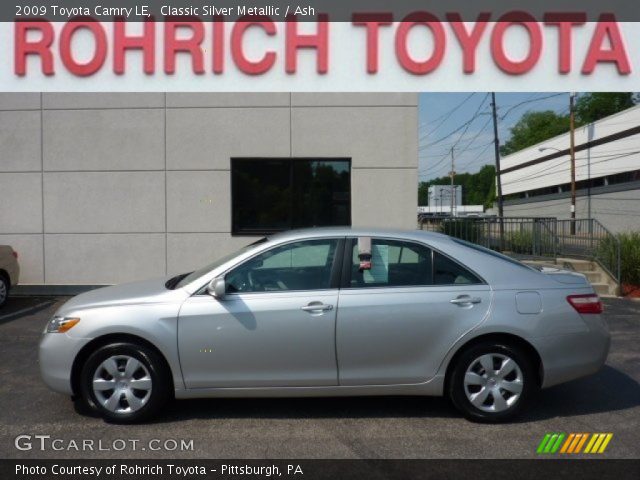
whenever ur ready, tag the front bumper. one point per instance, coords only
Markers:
(56, 355)
(571, 356)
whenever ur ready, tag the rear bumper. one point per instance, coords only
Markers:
(571, 356)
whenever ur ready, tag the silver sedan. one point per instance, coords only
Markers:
(328, 312)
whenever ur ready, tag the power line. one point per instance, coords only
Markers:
(464, 126)
(445, 116)
(517, 105)
(470, 149)
(466, 149)
(448, 152)
(486, 147)
(484, 127)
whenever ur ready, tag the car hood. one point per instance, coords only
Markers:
(144, 292)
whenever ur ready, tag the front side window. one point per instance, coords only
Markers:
(393, 264)
(275, 194)
(304, 265)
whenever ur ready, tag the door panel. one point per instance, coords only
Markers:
(401, 335)
(259, 340)
(398, 317)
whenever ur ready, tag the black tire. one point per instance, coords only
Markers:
(457, 390)
(160, 390)
(4, 287)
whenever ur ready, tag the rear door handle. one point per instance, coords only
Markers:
(465, 300)
(317, 307)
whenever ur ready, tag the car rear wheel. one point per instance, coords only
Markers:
(492, 382)
(125, 382)
(4, 289)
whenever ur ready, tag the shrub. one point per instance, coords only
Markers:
(629, 256)
(520, 242)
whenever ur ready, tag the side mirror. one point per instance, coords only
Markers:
(217, 288)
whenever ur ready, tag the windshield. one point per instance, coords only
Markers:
(204, 270)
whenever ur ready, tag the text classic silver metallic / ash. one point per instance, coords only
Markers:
(331, 312)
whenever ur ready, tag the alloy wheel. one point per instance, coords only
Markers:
(493, 382)
(122, 384)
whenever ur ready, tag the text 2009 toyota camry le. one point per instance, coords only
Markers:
(331, 312)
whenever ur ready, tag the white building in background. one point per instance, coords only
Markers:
(536, 181)
(440, 195)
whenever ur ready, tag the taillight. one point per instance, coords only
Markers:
(15, 254)
(589, 303)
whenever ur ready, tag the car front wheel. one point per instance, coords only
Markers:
(125, 382)
(492, 382)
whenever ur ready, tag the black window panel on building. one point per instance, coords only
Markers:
(274, 194)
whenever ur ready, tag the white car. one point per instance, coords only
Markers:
(9, 271)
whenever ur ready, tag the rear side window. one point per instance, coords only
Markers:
(448, 272)
(393, 264)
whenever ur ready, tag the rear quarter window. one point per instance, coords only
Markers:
(449, 272)
(493, 253)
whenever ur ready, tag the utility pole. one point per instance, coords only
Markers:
(452, 174)
(496, 146)
(573, 161)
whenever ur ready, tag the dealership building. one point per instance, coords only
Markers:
(101, 188)
(536, 181)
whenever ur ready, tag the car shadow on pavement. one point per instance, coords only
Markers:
(301, 408)
(607, 391)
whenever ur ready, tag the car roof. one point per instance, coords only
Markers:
(357, 232)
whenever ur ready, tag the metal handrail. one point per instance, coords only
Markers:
(543, 237)
(598, 236)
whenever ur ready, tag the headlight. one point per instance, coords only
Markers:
(61, 324)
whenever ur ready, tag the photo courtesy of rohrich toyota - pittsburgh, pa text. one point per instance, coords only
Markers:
(319, 239)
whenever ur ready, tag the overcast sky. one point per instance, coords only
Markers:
(440, 128)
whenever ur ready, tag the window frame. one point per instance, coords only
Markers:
(334, 282)
(241, 232)
(347, 257)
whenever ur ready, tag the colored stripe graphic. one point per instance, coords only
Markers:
(543, 443)
(573, 443)
(565, 447)
(556, 446)
(550, 443)
(598, 442)
(581, 443)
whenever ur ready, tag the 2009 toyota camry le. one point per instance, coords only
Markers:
(331, 312)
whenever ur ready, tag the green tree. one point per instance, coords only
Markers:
(591, 107)
(423, 194)
(535, 127)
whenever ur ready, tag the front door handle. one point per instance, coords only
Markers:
(317, 307)
(465, 300)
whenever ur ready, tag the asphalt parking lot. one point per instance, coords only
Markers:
(382, 427)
